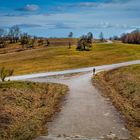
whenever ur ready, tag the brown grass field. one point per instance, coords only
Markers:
(26, 107)
(123, 87)
(61, 58)
(54, 42)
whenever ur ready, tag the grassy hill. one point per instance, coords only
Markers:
(54, 42)
(123, 87)
(60, 58)
(25, 107)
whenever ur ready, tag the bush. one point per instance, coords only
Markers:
(3, 43)
(85, 42)
(5, 73)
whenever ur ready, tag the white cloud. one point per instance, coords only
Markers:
(117, 1)
(29, 7)
(85, 4)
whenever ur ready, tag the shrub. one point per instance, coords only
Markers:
(85, 42)
(5, 73)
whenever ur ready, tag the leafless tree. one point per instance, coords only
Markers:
(133, 37)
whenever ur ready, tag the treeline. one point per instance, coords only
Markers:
(15, 35)
(133, 37)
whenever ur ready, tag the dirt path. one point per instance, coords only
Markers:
(85, 112)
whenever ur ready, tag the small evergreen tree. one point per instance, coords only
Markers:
(101, 36)
(70, 36)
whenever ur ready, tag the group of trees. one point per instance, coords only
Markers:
(2, 38)
(10, 36)
(14, 35)
(133, 37)
(85, 42)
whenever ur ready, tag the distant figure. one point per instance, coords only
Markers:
(47, 43)
(93, 71)
(69, 45)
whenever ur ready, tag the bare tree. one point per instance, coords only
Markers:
(2, 31)
(24, 40)
(101, 36)
(70, 36)
(14, 34)
(133, 37)
(2, 38)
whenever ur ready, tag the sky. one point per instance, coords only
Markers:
(56, 18)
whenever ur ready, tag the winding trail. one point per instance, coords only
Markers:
(85, 111)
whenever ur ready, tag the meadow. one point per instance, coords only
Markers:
(61, 58)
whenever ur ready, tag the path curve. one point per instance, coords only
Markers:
(85, 112)
(87, 69)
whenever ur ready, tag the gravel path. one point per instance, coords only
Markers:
(84, 112)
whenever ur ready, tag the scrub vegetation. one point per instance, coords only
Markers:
(122, 85)
(26, 107)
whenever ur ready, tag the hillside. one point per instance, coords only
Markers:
(60, 58)
(123, 87)
(26, 107)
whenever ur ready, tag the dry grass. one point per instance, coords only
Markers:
(60, 58)
(54, 42)
(123, 87)
(25, 108)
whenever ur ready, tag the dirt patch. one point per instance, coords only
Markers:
(122, 86)
(26, 107)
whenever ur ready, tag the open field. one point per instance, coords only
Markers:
(60, 58)
(54, 42)
(62, 41)
(123, 87)
(25, 108)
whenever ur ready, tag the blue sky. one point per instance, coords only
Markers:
(56, 18)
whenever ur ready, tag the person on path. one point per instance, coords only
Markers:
(94, 71)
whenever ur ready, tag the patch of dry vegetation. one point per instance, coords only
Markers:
(54, 42)
(123, 87)
(26, 107)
